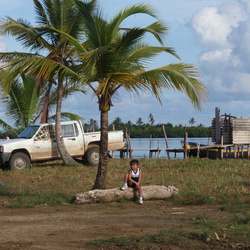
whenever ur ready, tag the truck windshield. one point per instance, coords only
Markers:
(29, 132)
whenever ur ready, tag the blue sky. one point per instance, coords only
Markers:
(213, 35)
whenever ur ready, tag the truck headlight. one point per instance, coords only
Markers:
(1, 149)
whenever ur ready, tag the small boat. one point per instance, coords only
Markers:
(213, 151)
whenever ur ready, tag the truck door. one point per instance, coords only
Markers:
(72, 139)
(44, 143)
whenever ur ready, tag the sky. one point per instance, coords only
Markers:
(213, 35)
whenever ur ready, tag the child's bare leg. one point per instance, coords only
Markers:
(140, 195)
(140, 191)
(125, 185)
(126, 178)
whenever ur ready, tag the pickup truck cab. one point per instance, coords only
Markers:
(37, 143)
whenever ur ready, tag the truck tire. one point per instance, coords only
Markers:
(19, 161)
(92, 156)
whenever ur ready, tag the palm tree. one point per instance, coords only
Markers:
(53, 59)
(192, 121)
(139, 121)
(114, 57)
(93, 125)
(23, 104)
(151, 119)
(117, 121)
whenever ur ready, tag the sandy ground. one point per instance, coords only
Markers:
(70, 226)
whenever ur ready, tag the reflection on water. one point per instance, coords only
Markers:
(141, 146)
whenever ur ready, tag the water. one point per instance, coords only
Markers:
(141, 146)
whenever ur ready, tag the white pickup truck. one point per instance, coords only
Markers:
(37, 143)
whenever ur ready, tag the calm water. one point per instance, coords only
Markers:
(141, 146)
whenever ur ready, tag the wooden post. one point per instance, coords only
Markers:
(129, 150)
(248, 152)
(166, 140)
(150, 145)
(113, 152)
(186, 145)
(130, 147)
(235, 151)
(158, 150)
(217, 125)
(198, 149)
(227, 149)
(208, 143)
(221, 149)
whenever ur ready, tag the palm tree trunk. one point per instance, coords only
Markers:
(66, 158)
(100, 182)
(45, 105)
(44, 116)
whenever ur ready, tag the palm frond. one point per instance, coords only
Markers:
(7, 127)
(18, 63)
(22, 101)
(157, 29)
(115, 23)
(24, 33)
(145, 53)
(41, 16)
(183, 77)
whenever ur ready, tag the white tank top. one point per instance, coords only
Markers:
(135, 175)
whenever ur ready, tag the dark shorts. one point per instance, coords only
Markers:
(132, 185)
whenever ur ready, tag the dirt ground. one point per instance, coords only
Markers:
(71, 226)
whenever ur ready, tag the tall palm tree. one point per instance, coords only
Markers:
(114, 57)
(53, 57)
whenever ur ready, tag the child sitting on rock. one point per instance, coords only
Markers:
(133, 179)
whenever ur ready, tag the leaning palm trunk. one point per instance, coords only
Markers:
(45, 104)
(66, 158)
(100, 182)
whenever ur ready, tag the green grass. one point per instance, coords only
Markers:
(223, 184)
(140, 242)
(217, 182)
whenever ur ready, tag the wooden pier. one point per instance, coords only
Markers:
(231, 136)
(227, 151)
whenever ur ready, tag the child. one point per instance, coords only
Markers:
(133, 179)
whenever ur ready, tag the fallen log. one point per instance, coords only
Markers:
(152, 192)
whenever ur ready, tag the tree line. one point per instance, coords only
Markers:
(145, 130)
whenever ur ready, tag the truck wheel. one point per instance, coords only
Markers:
(93, 156)
(19, 161)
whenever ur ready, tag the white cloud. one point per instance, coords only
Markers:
(247, 4)
(225, 37)
(214, 24)
(219, 56)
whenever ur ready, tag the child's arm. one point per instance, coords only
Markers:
(129, 177)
